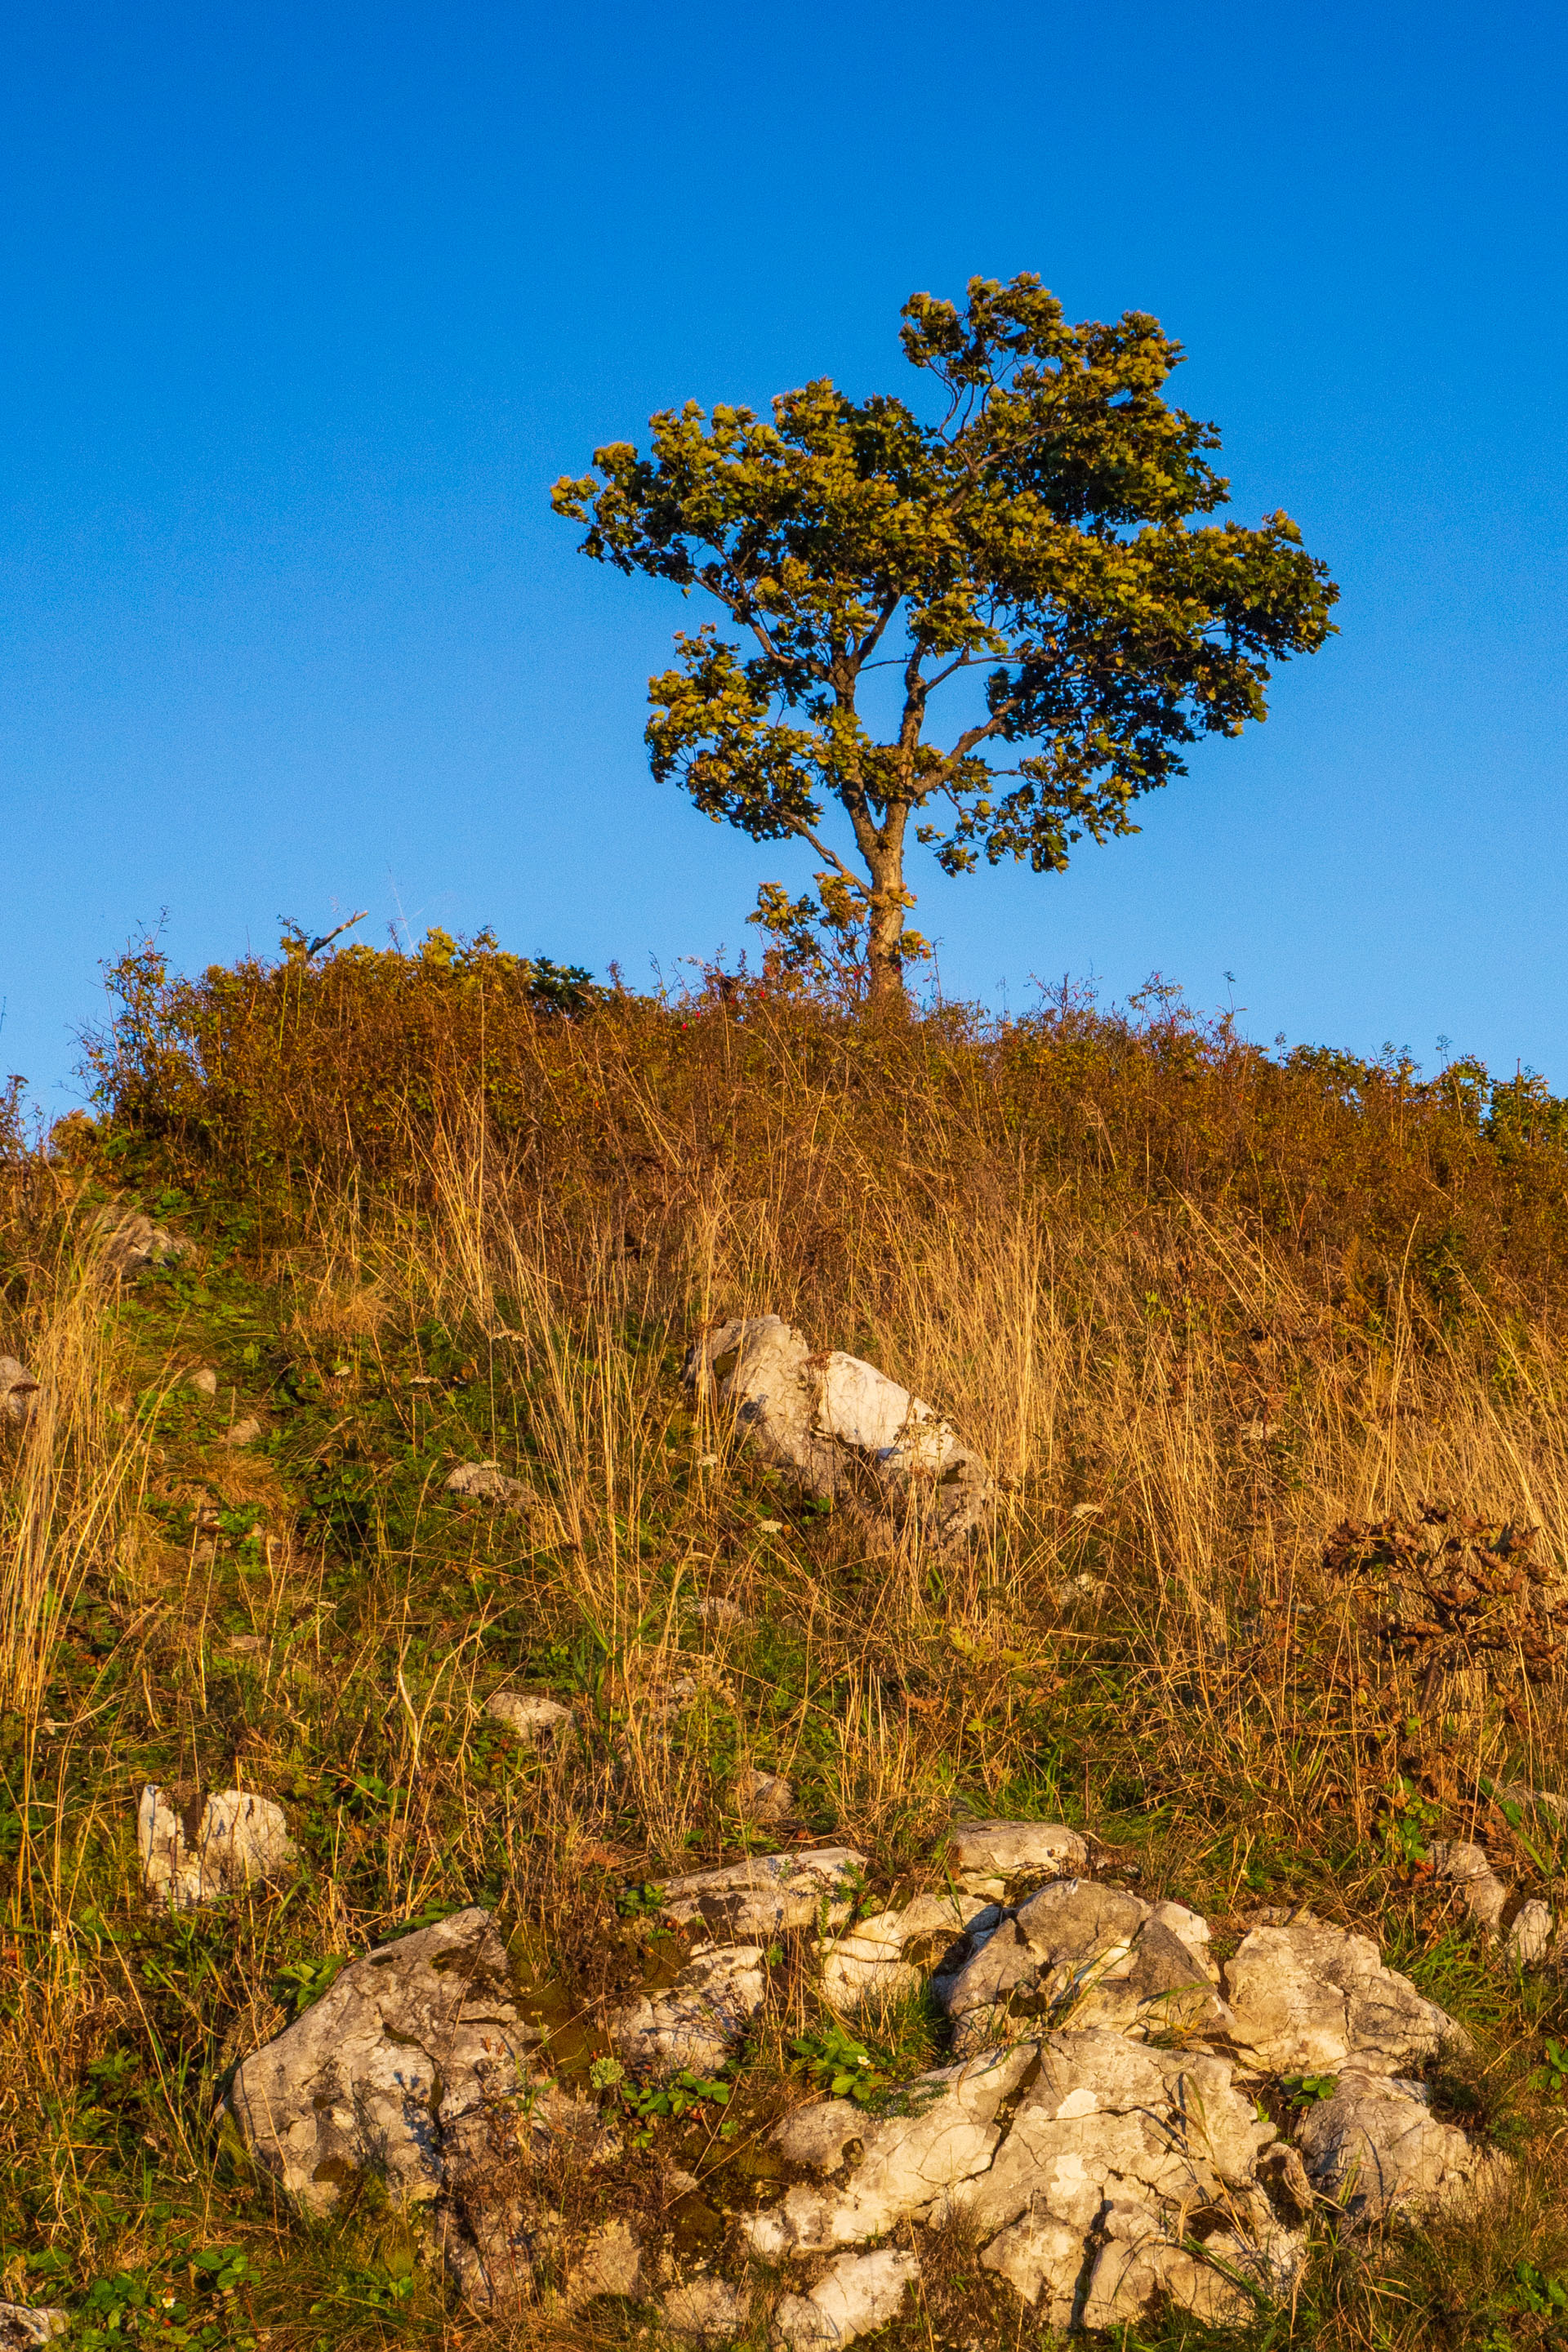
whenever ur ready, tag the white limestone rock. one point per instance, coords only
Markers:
(133, 1242)
(759, 1897)
(1376, 2148)
(1309, 1998)
(24, 2327)
(540, 1722)
(705, 2310)
(17, 1391)
(1107, 2118)
(840, 1425)
(1085, 1954)
(486, 1481)
(947, 2133)
(854, 2294)
(988, 1857)
(237, 1840)
(890, 1953)
(203, 1380)
(701, 2018)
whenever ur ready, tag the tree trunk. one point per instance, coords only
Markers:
(885, 928)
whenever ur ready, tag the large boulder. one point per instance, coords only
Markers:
(845, 1430)
(1376, 2148)
(378, 2074)
(1307, 1998)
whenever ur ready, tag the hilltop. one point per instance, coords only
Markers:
(1263, 1354)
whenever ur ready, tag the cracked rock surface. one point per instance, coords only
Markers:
(769, 1892)
(1376, 2148)
(701, 2019)
(854, 2295)
(1305, 1998)
(352, 2086)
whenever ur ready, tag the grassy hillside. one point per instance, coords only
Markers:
(1199, 1305)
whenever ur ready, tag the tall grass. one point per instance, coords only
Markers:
(1196, 1305)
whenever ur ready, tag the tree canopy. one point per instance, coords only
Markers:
(1032, 549)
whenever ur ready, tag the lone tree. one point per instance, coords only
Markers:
(1038, 534)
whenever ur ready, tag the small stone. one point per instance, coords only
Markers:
(856, 2294)
(987, 1857)
(204, 1380)
(25, 2325)
(764, 1796)
(485, 1480)
(769, 1892)
(1530, 1937)
(716, 1611)
(1467, 1867)
(610, 2264)
(238, 1840)
(243, 1432)
(248, 1646)
(539, 1721)
(17, 1390)
(705, 2310)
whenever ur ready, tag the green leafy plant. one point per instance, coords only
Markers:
(1552, 2075)
(683, 2094)
(639, 1901)
(837, 2062)
(301, 1982)
(1306, 2089)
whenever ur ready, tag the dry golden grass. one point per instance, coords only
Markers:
(1180, 1399)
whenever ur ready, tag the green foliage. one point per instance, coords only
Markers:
(839, 2065)
(1036, 540)
(141, 2308)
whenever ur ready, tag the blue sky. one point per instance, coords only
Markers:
(303, 309)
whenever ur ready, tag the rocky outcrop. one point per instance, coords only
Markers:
(844, 1430)
(237, 1840)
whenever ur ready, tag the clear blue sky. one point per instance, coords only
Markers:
(304, 307)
